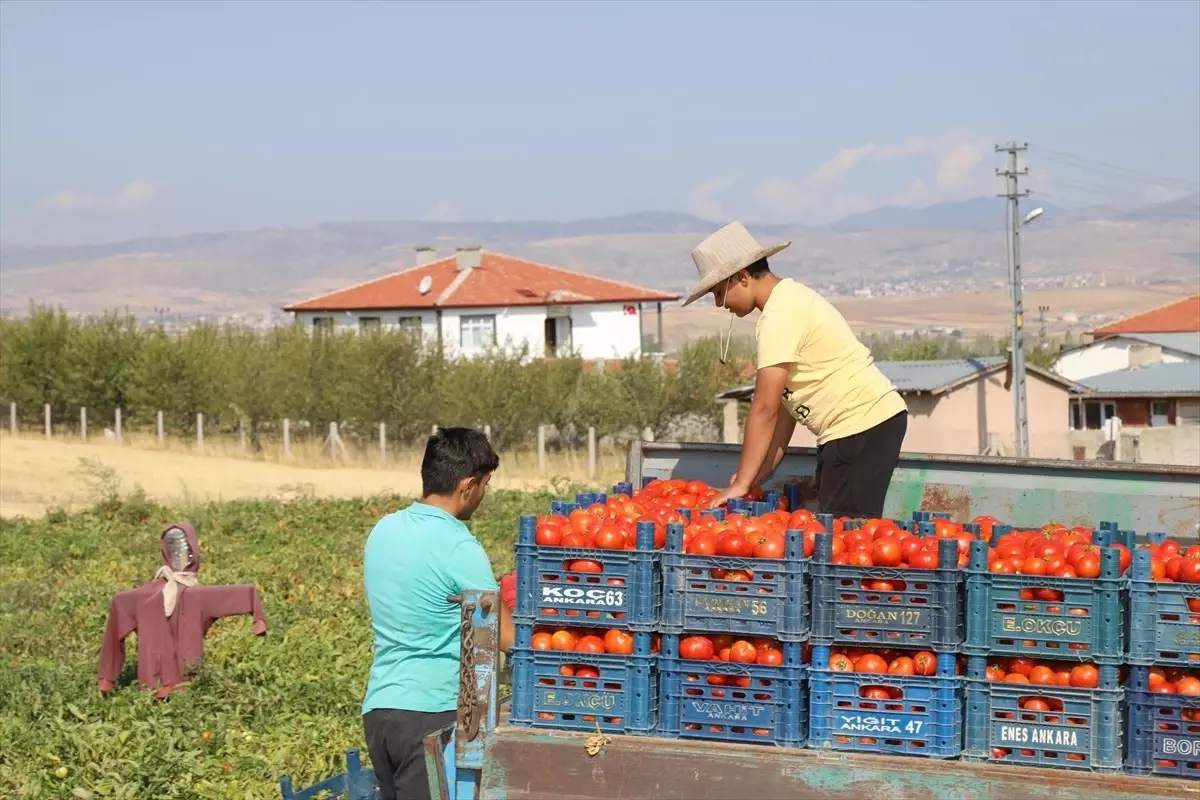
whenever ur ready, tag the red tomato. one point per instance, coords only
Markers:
(1088, 565)
(768, 658)
(696, 648)
(923, 559)
(549, 535)
(618, 643)
(1189, 571)
(860, 558)
(733, 544)
(886, 552)
(563, 640)
(1158, 569)
(771, 546)
(1126, 557)
(840, 662)
(705, 544)
(925, 663)
(742, 652)
(1043, 675)
(870, 663)
(610, 538)
(1033, 566)
(589, 644)
(1085, 676)
(542, 641)
(995, 672)
(1021, 665)
(902, 665)
(582, 565)
(1035, 704)
(1015, 677)
(1188, 685)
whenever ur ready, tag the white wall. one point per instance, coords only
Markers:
(596, 331)
(1109, 355)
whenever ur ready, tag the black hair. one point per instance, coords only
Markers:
(452, 454)
(758, 268)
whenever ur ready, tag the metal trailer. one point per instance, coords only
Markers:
(482, 757)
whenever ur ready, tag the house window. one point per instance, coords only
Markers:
(1096, 413)
(365, 323)
(1158, 413)
(323, 323)
(1187, 412)
(410, 324)
(477, 331)
(1076, 415)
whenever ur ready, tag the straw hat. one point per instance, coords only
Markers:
(724, 254)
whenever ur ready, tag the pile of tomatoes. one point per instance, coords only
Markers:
(596, 641)
(739, 536)
(727, 648)
(1177, 680)
(1170, 563)
(883, 543)
(1022, 669)
(1053, 551)
(882, 662)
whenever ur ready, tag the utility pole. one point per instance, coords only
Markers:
(1013, 193)
(1042, 323)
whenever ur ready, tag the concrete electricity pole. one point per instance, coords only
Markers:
(1020, 409)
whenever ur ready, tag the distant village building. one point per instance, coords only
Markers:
(475, 299)
(1139, 376)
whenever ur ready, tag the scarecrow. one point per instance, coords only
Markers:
(171, 615)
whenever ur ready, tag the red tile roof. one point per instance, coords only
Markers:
(1180, 316)
(499, 280)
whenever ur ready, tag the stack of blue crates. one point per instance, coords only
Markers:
(1164, 630)
(1085, 626)
(921, 611)
(622, 697)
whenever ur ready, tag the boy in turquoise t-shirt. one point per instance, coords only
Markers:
(414, 559)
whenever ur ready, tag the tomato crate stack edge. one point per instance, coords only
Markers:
(1163, 688)
(1045, 644)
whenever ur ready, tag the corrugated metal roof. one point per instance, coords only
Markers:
(914, 377)
(1182, 342)
(1152, 381)
(930, 376)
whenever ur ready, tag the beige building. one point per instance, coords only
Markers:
(961, 406)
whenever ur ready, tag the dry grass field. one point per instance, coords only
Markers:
(974, 313)
(37, 475)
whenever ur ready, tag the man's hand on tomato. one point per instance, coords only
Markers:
(508, 590)
(736, 489)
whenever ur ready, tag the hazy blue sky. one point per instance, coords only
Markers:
(130, 119)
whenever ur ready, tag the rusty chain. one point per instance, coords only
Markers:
(468, 692)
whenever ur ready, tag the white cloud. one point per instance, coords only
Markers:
(703, 201)
(135, 196)
(917, 171)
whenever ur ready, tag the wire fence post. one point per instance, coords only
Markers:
(287, 438)
(83, 423)
(120, 427)
(591, 453)
(242, 433)
(46, 415)
(383, 443)
(161, 435)
(199, 431)
(541, 445)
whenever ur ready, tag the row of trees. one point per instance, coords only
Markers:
(238, 375)
(232, 374)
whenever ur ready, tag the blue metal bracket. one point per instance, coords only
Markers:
(455, 763)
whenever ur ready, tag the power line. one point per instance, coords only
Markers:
(1084, 163)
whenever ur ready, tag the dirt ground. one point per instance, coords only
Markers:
(37, 475)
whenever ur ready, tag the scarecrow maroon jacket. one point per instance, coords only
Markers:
(170, 650)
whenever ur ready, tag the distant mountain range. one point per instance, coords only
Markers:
(254, 272)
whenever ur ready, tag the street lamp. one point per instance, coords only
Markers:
(1020, 401)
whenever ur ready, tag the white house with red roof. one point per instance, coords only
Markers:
(475, 299)
(1168, 334)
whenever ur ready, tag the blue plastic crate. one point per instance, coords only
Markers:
(755, 704)
(1084, 734)
(1164, 730)
(926, 720)
(926, 613)
(1087, 624)
(626, 593)
(623, 699)
(773, 603)
(1162, 629)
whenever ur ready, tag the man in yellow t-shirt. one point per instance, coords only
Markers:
(811, 365)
